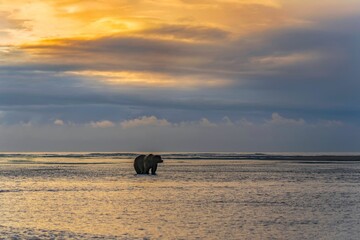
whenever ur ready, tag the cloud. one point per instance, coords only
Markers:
(330, 123)
(145, 121)
(102, 124)
(271, 3)
(227, 121)
(59, 122)
(206, 123)
(274, 61)
(118, 54)
(38, 96)
(138, 134)
(277, 119)
(26, 124)
(186, 31)
(283, 90)
(245, 122)
(8, 22)
(12, 27)
(287, 57)
(200, 63)
(148, 79)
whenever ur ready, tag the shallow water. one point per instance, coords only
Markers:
(58, 197)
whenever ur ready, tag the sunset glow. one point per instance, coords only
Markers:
(241, 59)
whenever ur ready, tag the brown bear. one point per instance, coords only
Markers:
(144, 163)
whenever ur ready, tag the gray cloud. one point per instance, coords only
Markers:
(47, 95)
(316, 53)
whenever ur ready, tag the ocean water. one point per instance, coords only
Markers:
(194, 196)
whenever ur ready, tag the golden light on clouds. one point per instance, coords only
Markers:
(148, 79)
(56, 19)
(42, 29)
(67, 64)
(28, 20)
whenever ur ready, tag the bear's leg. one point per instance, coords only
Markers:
(153, 169)
(142, 171)
(137, 169)
(146, 168)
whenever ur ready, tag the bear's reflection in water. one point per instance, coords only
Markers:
(144, 163)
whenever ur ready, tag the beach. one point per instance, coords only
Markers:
(201, 196)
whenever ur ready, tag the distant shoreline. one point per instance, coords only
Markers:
(315, 157)
(308, 158)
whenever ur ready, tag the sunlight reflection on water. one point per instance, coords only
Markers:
(188, 199)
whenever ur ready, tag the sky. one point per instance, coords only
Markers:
(180, 75)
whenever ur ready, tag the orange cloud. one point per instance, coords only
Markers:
(79, 18)
(149, 79)
(165, 43)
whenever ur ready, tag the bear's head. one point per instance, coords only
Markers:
(158, 159)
